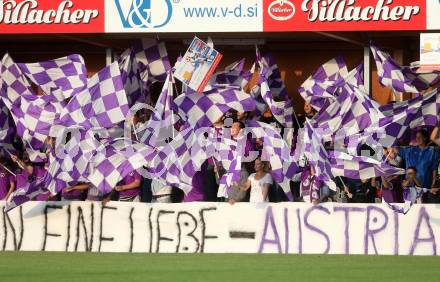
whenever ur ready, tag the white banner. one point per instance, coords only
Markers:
(221, 228)
(183, 16)
(430, 51)
(433, 14)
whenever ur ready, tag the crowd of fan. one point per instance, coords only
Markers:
(420, 158)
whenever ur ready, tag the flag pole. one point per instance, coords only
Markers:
(10, 154)
(174, 89)
(323, 148)
(216, 168)
(3, 166)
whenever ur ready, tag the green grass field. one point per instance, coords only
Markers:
(83, 267)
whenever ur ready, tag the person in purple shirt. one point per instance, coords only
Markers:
(198, 192)
(129, 187)
(75, 192)
(30, 172)
(7, 183)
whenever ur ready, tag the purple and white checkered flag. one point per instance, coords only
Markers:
(63, 78)
(410, 114)
(283, 111)
(102, 104)
(70, 162)
(7, 128)
(27, 193)
(232, 75)
(141, 66)
(204, 110)
(276, 151)
(131, 79)
(152, 59)
(360, 167)
(275, 81)
(401, 78)
(410, 197)
(317, 89)
(352, 112)
(35, 116)
(160, 127)
(177, 162)
(117, 159)
(317, 155)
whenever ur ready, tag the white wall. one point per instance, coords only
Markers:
(207, 227)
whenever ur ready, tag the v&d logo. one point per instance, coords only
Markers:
(147, 14)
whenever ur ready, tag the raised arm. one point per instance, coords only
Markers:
(11, 189)
(385, 183)
(20, 163)
(435, 137)
(83, 186)
(245, 186)
(133, 185)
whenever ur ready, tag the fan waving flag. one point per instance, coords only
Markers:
(131, 78)
(204, 110)
(317, 156)
(233, 75)
(283, 111)
(360, 167)
(7, 128)
(63, 78)
(152, 57)
(275, 81)
(70, 162)
(276, 151)
(26, 193)
(102, 104)
(317, 89)
(410, 114)
(117, 159)
(402, 78)
(161, 124)
(36, 117)
(141, 66)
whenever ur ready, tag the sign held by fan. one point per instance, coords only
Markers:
(198, 65)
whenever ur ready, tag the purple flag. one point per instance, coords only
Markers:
(141, 66)
(317, 89)
(317, 156)
(117, 159)
(131, 78)
(283, 111)
(35, 116)
(232, 75)
(160, 127)
(63, 78)
(70, 163)
(360, 167)
(7, 128)
(204, 110)
(27, 193)
(401, 78)
(275, 81)
(407, 115)
(102, 104)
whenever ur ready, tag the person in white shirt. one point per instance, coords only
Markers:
(259, 183)
(161, 192)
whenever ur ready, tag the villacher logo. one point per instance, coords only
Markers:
(29, 12)
(281, 10)
(144, 13)
(347, 10)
